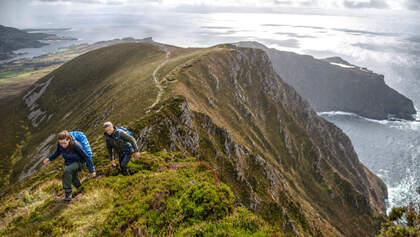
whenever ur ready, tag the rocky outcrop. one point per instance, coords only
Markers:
(333, 84)
(36, 115)
(175, 127)
(264, 140)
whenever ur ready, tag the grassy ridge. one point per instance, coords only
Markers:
(157, 199)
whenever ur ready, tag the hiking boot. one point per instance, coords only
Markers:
(78, 191)
(125, 171)
(68, 196)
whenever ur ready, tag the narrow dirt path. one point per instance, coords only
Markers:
(158, 85)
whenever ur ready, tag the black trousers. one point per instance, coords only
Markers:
(124, 159)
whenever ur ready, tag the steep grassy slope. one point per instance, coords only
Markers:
(15, 130)
(163, 197)
(110, 83)
(224, 105)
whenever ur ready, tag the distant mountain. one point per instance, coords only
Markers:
(13, 39)
(333, 84)
(220, 111)
(29, 70)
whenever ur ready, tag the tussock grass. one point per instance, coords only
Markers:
(156, 199)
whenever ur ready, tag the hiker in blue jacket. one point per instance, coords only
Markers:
(120, 140)
(74, 156)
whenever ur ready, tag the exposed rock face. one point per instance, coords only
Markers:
(36, 115)
(268, 144)
(175, 127)
(335, 85)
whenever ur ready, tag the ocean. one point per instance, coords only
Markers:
(386, 43)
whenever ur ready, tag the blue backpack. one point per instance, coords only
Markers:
(125, 130)
(128, 132)
(81, 138)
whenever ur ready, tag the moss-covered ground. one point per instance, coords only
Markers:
(168, 194)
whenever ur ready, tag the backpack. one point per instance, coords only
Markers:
(125, 130)
(128, 132)
(81, 138)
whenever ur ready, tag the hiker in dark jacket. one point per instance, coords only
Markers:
(122, 143)
(74, 157)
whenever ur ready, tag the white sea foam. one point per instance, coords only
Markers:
(400, 124)
(342, 113)
(337, 113)
(403, 192)
(408, 125)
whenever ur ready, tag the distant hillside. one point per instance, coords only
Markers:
(223, 107)
(13, 39)
(18, 75)
(335, 85)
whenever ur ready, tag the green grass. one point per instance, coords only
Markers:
(9, 74)
(156, 199)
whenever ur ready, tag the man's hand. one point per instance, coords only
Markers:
(46, 161)
(113, 163)
(137, 155)
(93, 174)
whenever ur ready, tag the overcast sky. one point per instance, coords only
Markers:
(26, 13)
(352, 4)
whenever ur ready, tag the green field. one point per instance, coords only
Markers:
(12, 74)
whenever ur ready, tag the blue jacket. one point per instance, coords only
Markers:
(77, 154)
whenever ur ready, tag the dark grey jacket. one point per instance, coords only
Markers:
(119, 141)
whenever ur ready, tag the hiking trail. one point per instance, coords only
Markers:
(158, 85)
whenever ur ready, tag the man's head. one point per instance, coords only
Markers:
(64, 138)
(109, 128)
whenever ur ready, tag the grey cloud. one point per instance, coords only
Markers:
(303, 3)
(211, 33)
(290, 34)
(111, 2)
(278, 2)
(365, 32)
(75, 1)
(413, 4)
(274, 25)
(310, 27)
(414, 39)
(380, 4)
(387, 48)
(308, 3)
(357, 32)
(217, 27)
